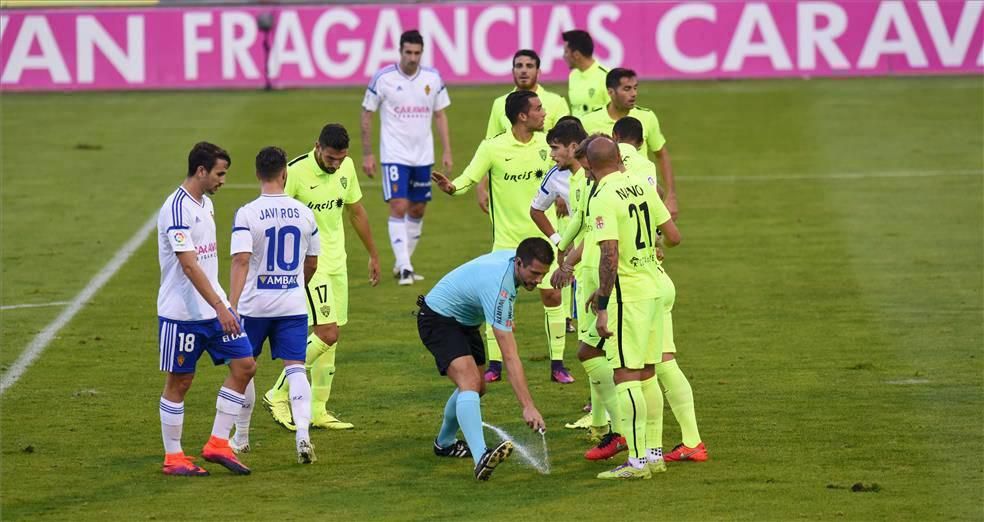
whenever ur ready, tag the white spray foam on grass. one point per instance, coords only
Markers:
(539, 462)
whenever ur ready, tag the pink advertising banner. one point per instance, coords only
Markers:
(220, 47)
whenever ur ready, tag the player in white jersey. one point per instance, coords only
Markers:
(194, 315)
(275, 249)
(408, 96)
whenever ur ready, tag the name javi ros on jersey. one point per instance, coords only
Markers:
(284, 213)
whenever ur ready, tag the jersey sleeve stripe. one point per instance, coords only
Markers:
(314, 233)
(236, 229)
(546, 178)
(176, 208)
(299, 158)
(177, 227)
(378, 75)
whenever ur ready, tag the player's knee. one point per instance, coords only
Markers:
(243, 369)
(398, 207)
(328, 335)
(177, 386)
(551, 297)
(586, 352)
(416, 210)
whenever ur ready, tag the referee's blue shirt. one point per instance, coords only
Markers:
(481, 290)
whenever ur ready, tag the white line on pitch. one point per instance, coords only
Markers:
(731, 178)
(836, 175)
(33, 305)
(43, 339)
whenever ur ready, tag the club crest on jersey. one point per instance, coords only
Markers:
(599, 222)
(344, 182)
(181, 360)
(325, 310)
(543, 154)
(427, 89)
(591, 92)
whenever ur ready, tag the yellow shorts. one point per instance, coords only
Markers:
(587, 283)
(637, 329)
(669, 297)
(327, 297)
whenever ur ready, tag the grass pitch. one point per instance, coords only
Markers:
(829, 315)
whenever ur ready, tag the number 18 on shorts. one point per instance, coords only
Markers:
(405, 182)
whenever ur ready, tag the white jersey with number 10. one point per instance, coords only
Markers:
(279, 232)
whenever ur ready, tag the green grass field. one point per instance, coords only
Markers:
(829, 315)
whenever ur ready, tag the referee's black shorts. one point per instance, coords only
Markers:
(447, 339)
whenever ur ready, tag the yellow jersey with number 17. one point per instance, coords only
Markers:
(326, 195)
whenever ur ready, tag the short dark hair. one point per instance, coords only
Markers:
(568, 117)
(335, 136)
(615, 76)
(529, 53)
(580, 41)
(628, 129)
(205, 154)
(270, 162)
(567, 132)
(518, 102)
(411, 37)
(535, 248)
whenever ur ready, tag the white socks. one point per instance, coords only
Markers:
(172, 421)
(300, 398)
(414, 227)
(245, 414)
(400, 243)
(227, 407)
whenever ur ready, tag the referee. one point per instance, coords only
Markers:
(481, 290)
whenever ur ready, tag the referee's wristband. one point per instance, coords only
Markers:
(555, 238)
(603, 302)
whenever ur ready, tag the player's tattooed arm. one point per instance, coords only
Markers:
(607, 272)
(608, 267)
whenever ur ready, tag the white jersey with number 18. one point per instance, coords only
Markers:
(279, 232)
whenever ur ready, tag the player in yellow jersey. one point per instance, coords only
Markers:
(516, 162)
(628, 134)
(526, 75)
(676, 386)
(625, 213)
(586, 83)
(623, 88)
(325, 180)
